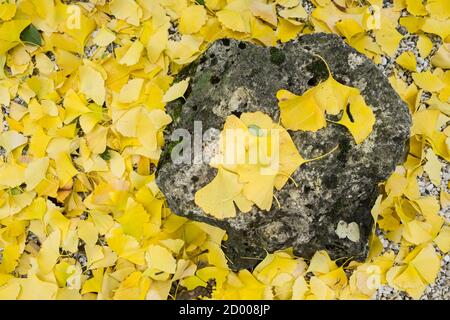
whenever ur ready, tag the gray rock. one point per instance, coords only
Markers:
(233, 77)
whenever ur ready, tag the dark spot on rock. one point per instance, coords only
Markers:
(194, 108)
(319, 71)
(290, 82)
(277, 56)
(237, 113)
(226, 42)
(194, 179)
(344, 148)
(313, 82)
(307, 189)
(203, 59)
(330, 181)
(242, 45)
(186, 95)
(214, 80)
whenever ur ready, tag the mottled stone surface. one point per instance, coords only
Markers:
(233, 77)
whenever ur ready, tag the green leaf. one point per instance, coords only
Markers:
(31, 35)
(106, 155)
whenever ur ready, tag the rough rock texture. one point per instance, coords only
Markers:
(233, 77)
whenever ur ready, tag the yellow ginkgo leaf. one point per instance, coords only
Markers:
(262, 32)
(417, 232)
(176, 91)
(258, 186)
(36, 172)
(10, 290)
(416, 7)
(441, 58)
(411, 23)
(290, 159)
(443, 239)
(92, 84)
(349, 28)
(428, 81)
(433, 167)
(436, 26)
(134, 287)
(321, 263)
(407, 60)
(320, 290)
(74, 106)
(133, 219)
(388, 39)
(131, 91)
(439, 9)
(131, 56)
(126, 247)
(299, 288)
(265, 11)
(87, 232)
(10, 30)
(65, 169)
(11, 140)
(49, 253)
(297, 12)
(427, 263)
(4, 95)
(192, 19)
(358, 118)
(11, 174)
(104, 37)
(160, 258)
(424, 45)
(33, 288)
(333, 96)
(217, 197)
(236, 15)
(157, 43)
(300, 112)
(7, 11)
(127, 10)
(235, 20)
(287, 30)
(93, 284)
(410, 281)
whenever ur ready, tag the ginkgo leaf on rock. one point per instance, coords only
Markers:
(217, 198)
(358, 118)
(176, 91)
(263, 158)
(300, 112)
(308, 111)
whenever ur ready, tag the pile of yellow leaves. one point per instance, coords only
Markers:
(254, 157)
(83, 88)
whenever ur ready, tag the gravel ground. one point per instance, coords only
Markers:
(440, 290)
